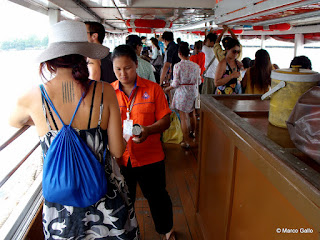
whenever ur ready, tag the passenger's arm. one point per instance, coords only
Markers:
(94, 66)
(221, 79)
(225, 28)
(165, 69)
(232, 34)
(176, 79)
(115, 139)
(21, 115)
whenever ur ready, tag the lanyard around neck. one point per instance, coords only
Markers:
(130, 102)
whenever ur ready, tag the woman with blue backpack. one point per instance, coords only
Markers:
(78, 121)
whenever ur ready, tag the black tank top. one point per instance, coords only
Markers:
(107, 74)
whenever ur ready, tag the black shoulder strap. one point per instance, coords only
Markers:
(205, 71)
(101, 107)
(94, 91)
(49, 110)
(230, 69)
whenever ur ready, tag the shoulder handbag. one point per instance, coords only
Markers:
(158, 61)
(197, 102)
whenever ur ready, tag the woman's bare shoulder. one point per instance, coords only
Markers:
(108, 91)
(29, 96)
(222, 64)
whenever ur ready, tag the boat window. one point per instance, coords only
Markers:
(312, 51)
(24, 35)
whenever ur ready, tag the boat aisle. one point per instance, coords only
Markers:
(181, 172)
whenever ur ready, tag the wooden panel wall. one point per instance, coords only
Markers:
(215, 181)
(259, 210)
(241, 196)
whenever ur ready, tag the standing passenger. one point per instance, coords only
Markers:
(186, 77)
(156, 59)
(98, 118)
(143, 102)
(145, 69)
(99, 69)
(218, 51)
(199, 58)
(170, 57)
(228, 70)
(161, 45)
(211, 64)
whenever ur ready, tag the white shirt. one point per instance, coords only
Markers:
(155, 52)
(209, 54)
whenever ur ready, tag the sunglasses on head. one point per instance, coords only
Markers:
(235, 51)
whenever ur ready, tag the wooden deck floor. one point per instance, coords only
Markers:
(181, 172)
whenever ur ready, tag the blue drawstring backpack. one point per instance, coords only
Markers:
(72, 174)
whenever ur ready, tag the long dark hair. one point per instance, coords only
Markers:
(78, 64)
(261, 70)
(155, 42)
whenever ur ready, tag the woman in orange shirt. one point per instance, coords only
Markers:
(199, 57)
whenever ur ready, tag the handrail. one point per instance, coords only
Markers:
(5, 179)
(18, 224)
(14, 137)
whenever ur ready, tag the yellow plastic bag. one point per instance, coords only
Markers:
(174, 133)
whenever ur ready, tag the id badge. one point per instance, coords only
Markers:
(127, 127)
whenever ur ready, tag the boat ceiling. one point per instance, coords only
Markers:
(189, 15)
(113, 13)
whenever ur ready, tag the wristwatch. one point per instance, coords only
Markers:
(136, 129)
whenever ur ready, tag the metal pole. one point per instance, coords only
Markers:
(298, 44)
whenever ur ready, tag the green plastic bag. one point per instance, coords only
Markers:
(174, 133)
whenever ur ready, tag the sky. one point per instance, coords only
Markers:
(20, 22)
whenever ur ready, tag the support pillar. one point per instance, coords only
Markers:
(298, 44)
(54, 16)
(263, 38)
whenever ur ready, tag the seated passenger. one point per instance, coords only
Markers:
(257, 78)
(246, 62)
(302, 61)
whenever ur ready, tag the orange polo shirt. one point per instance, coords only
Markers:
(150, 105)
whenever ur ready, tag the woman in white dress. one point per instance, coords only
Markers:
(186, 77)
